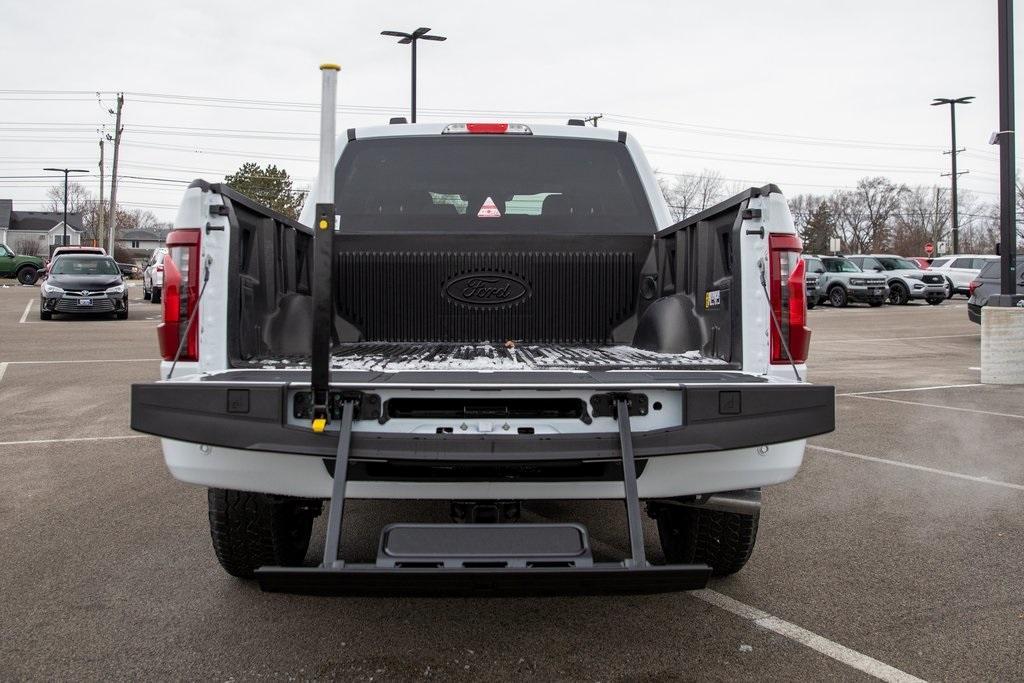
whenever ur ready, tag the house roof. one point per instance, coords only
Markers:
(42, 221)
(141, 235)
(5, 212)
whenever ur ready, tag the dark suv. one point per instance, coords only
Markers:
(987, 284)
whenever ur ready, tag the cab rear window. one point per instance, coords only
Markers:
(475, 183)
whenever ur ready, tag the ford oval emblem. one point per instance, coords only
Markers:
(487, 289)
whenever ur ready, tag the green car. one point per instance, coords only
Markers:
(25, 268)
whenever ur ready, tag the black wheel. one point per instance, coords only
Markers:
(898, 294)
(45, 315)
(250, 530)
(812, 302)
(27, 275)
(950, 289)
(935, 300)
(155, 295)
(722, 540)
(837, 297)
(875, 304)
(145, 294)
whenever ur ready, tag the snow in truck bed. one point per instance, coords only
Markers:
(485, 356)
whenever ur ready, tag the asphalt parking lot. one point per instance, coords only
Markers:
(895, 552)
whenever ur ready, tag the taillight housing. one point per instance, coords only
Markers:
(971, 287)
(788, 296)
(180, 294)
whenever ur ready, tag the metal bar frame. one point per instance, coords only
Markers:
(638, 556)
(337, 509)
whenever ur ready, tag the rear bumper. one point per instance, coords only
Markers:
(667, 476)
(974, 313)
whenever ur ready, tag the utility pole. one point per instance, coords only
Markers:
(99, 229)
(66, 171)
(1007, 164)
(413, 38)
(953, 151)
(118, 128)
(593, 119)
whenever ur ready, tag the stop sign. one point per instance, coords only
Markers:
(928, 248)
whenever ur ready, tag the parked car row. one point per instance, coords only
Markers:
(870, 278)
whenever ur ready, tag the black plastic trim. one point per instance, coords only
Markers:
(372, 580)
(198, 413)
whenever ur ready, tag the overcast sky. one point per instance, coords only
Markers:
(760, 91)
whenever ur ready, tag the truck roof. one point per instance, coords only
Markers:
(416, 129)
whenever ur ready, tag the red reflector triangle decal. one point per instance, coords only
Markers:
(488, 210)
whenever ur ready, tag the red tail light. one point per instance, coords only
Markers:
(971, 287)
(181, 294)
(788, 299)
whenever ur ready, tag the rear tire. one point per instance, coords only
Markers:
(950, 289)
(155, 295)
(722, 540)
(898, 294)
(145, 294)
(811, 303)
(837, 297)
(251, 530)
(27, 275)
(45, 315)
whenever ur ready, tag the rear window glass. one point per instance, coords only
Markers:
(991, 269)
(936, 263)
(490, 183)
(814, 265)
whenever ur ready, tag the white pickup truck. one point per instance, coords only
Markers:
(509, 314)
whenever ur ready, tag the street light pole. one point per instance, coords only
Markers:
(1007, 164)
(412, 39)
(953, 151)
(66, 171)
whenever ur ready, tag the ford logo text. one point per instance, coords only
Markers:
(487, 289)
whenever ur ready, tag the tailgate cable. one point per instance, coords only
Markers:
(192, 317)
(775, 320)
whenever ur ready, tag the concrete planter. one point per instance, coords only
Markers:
(1002, 345)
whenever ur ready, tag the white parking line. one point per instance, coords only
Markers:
(28, 307)
(885, 339)
(83, 438)
(111, 322)
(47, 362)
(896, 391)
(3, 369)
(933, 405)
(920, 468)
(829, 648)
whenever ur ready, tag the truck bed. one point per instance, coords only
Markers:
(486, 356)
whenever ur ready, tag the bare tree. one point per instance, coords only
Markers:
(692, 193)
(28, 247)
(79, 198)
(865, 215)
